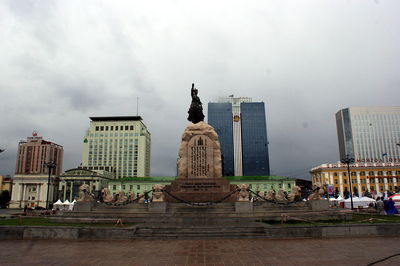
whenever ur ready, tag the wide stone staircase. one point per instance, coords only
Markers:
(179, 220)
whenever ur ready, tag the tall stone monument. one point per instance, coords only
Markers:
(199, 165)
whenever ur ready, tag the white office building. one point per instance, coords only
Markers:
(369, 134)
(119, 144)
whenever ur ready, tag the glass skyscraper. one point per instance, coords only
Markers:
(254, 139)
(369, 134)
(220, 117)
(241, 127)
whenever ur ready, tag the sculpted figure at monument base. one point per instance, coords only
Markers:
(84, 194)
(243, 193)
(106, 195)
(158, 195)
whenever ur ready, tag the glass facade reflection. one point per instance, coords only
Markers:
(254, 139)
(220, 117)
(369, 134)
(249, 137)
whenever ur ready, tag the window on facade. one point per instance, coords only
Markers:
(288, 185)
(336, 181)
(362, 173)
(106, 128)
(381, 188)
(116, 127)
(372, 180)
(123, 186)
(138, 186)
(345, 181)
(363, 188)
(97, 128)
(111, 127)
(390, 188)
(354, 181)
(101, 128)
(371, 173)
(344, 174)
(126, 127)
(114, 187)
(353, 174)
(380, 173)
(389, 173)
(335, 174)
(372, 188)
(131, 128)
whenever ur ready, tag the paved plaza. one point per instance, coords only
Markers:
(334, 251)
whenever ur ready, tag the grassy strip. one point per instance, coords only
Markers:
(357, 219)
(42, 221)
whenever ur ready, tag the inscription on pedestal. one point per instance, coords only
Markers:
(200, 186)
(200, 157)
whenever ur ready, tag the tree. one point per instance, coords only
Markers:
(5, 198)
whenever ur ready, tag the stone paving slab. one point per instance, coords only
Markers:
(333, 251)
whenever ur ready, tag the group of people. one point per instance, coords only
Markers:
(385, 207)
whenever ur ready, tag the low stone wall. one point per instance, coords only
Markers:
(276, 232)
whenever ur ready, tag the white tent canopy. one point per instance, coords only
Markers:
(57, 205)
(71, 206)
(338, 199)
(358, 202)
(66, 205)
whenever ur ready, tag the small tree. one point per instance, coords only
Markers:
(5, 198)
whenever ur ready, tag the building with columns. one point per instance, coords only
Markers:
(31, 179)
(371, 177)
(31, 190)
(72, 179)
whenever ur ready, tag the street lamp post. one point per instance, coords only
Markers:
(348, 161)
(50, 165)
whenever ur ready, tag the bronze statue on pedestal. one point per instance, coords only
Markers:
(196, 109)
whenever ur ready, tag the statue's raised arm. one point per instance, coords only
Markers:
(196, 109)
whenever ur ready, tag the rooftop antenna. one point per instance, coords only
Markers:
(137, 106)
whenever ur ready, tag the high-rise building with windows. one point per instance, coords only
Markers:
(35, 152)
(369, 134)
(241, 127)
(32, 184)
(119, 144)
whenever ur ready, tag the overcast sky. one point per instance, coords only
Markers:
(63, 61)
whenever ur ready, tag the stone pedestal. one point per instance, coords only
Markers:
(84, 206)
(200, 190)
(157, 207)
(244, 206)
(319, 205)
(199, 168)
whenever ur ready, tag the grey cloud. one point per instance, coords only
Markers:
(306, 60)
